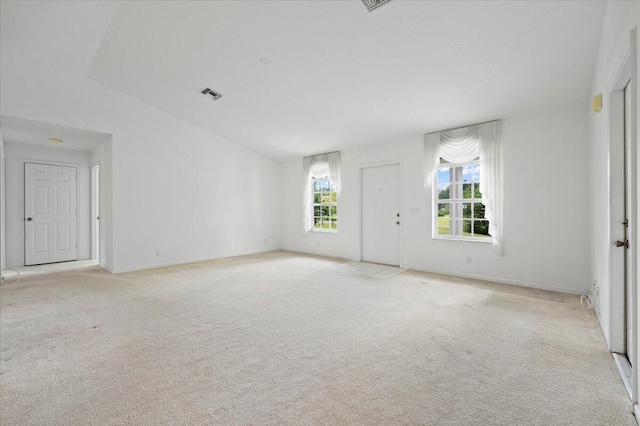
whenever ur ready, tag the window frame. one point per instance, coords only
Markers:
(332, 189)
(454, 201)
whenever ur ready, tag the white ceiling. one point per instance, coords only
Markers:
(19, 130)
(71, 30)
(339, 76)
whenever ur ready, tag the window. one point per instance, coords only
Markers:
(459, 210)
(463, 166)
(325, 204)
(322, 184)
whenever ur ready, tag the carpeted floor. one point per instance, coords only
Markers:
(283, 338)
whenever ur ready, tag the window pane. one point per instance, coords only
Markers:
(481, 228)
(466, 190)
(477, 194)
(325, 210)
(443, 191)
(476, 172)
(444, 175)
(478, 211)
(334, 197)
(317, 222)
(467, 173)
(325, 185)
(317, 211)
(443, 210)
(466, 228)
(334, 224)
(444, 219)
(466, 210)
(333, 211)
(326, 198)
(316, 198)
(316, 186)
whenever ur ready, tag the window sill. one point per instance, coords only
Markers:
(469, 240)
(325, 231)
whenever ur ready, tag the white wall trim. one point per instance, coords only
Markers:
(203, 259)
(509, 281)
(596, 309)
(321, 253)
(106, 267)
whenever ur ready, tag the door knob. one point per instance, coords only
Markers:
(29, 219)
(398, 223)
(624, 243)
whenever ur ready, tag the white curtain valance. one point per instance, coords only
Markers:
(431, 157)
(323, 165)
(460, 145)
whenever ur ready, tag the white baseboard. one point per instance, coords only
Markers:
(183, 262)
(636, 412)
(319, 253)
(625, 371)
(106, 267)
(521, 283)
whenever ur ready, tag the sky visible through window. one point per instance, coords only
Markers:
(468, 172)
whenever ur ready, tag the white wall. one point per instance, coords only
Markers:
(621, 17)
(545, 209)
(176, 188)
(16, 154)
(187, 193)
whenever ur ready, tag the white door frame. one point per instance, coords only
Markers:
(21, 200)
(625, 71)
(379, 164)
(95, 212)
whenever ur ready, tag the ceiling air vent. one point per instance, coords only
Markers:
(372, 4)
(214, 95)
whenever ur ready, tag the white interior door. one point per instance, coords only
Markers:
(50, 229)
(381, 215)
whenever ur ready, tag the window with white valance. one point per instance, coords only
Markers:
(464, 168)
(321, 174)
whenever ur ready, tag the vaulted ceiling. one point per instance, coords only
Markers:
(337, 75)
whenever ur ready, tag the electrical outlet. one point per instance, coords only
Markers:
(469, 260)
(157, 252)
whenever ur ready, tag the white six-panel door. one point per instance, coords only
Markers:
(49, 214)
(381, 215)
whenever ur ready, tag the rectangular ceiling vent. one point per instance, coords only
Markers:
(214, 95)
(372, 4)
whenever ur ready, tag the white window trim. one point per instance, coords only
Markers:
(313, 205)
(436, 201)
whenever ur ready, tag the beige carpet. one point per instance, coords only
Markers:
(282, 338)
